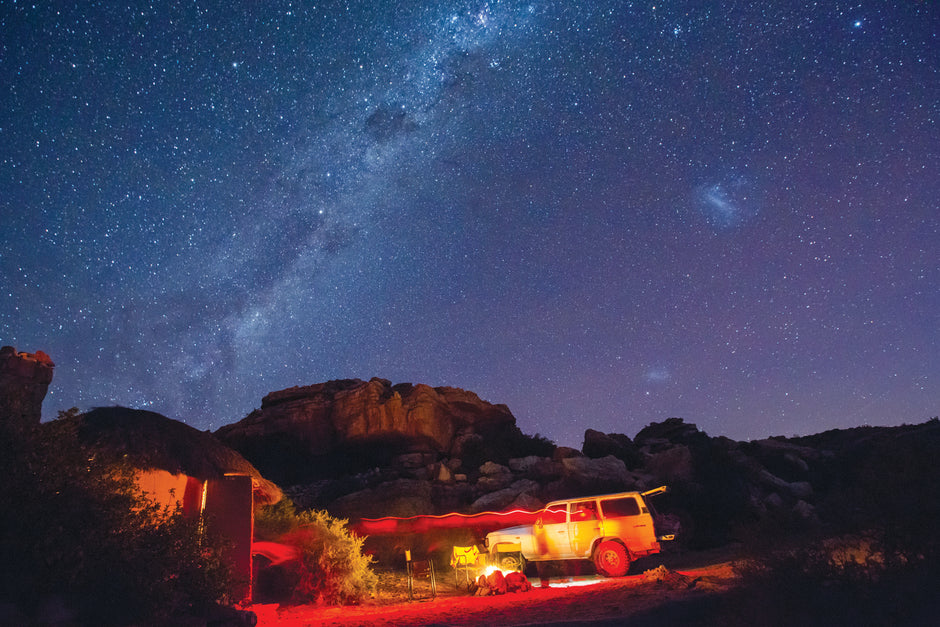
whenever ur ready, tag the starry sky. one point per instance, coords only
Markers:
(599, 213)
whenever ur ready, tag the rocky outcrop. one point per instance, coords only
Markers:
(328, 414)
(327, 426)
(597, 444)
(24, 380)
(441, 450)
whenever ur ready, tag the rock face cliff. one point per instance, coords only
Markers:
(24, 380)
(344, 424)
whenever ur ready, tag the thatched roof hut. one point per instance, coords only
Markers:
(150, 440)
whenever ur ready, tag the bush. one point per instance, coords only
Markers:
(75, 526)
(853, 581)
(332, 568)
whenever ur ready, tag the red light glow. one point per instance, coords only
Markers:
(454, 520)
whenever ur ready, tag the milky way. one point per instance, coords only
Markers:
(601, 214)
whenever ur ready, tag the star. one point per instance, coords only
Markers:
(560, 206)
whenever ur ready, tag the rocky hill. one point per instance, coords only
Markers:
(373, 449)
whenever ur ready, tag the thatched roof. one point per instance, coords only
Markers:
(150, 440)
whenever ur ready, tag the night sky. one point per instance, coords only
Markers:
(601, 214)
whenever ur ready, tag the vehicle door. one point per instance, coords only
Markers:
(583, 527)
(628, 518)
(551, 533)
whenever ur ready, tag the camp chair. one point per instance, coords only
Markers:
(420, 569)
(469, 560)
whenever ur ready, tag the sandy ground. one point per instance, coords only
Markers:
(567, 600)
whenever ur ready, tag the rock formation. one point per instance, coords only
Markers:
(372, 449)
(331, 426)
(24, 380)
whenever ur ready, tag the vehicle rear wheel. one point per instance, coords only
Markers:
(611, 559)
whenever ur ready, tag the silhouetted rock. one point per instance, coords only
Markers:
(597, 444)
(672, 430)
(672, 464)
(24, 380)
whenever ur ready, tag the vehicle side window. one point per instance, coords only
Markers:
(583, 511)
(625, 506)
(554, 515)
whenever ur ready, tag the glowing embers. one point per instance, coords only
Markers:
(489, 570)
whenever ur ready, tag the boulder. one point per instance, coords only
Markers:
(597, 444)
(527, 502)
(536, 467)
(564, 452)
(24, 381)
(524, 464)
(672, 464)
(606, 469)
(674, 430)
(494, 482)
(503, 498)
(493, 469)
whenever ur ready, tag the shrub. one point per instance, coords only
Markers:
(332, 568)
(853, 581)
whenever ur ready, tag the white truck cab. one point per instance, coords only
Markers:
(612, 530)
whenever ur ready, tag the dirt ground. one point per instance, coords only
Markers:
(568, 599)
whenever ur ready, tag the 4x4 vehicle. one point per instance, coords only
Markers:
(610, 529)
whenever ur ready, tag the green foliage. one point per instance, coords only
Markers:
(74, 525)
(536, 444)
(332, 568)
(274, 521)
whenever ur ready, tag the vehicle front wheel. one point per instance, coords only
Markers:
(512, 561)
(611, 559)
